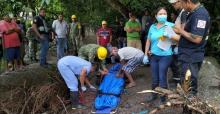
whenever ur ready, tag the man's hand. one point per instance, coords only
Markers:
(177, 29)
(104, 72)
(120, 75)
(41, 37)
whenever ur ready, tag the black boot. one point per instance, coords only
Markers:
(74, 98)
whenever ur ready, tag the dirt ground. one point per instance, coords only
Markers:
(132, 102)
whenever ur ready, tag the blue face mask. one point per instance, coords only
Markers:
(162, 18)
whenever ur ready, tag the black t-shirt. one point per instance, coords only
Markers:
(38, 20)
(198, 23)
(120, 31)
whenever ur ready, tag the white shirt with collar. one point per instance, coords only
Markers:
(61, 28)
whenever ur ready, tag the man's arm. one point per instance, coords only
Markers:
(189, 36)
(138, 29)
(82, 77)
(34, 27)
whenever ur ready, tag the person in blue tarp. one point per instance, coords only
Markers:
(110, 90)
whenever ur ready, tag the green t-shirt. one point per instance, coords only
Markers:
(133, 35)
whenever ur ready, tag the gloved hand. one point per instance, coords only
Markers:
(83, 88)
(145, 60)
(169, 32)
(175, 50)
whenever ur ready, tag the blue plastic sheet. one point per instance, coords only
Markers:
(111, 87)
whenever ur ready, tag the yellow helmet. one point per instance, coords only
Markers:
(102, 53)
(73, 16)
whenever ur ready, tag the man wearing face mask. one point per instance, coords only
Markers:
(160, 55)
(192, 42)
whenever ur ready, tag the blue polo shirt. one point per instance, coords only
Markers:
(198, 23)
(154, 35)
(76, 64)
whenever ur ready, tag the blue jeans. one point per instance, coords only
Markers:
(159, 68)
(61, 43)
(44, 49)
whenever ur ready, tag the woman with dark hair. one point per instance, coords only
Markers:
(158, 47)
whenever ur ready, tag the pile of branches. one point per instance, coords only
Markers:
(179, 98)
(38, 99)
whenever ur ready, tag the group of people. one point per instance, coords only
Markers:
(184, 41)
(163, 44)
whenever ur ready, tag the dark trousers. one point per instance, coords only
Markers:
(174, 67)
(159, 68)
(194, 69)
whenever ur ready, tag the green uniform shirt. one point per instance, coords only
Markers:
(75, 28)
(89, 52)
(133, 35)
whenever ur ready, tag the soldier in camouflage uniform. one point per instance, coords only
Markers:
(75, 38)
(91, 53)
(32, 45)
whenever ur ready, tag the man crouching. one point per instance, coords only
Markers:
(130, 58)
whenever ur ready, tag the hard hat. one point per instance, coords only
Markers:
(73, 16)
(104, 23)
(102, 53)
(172, 1)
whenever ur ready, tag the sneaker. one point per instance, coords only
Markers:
(79, 106)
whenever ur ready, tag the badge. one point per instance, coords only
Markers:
(201, 24)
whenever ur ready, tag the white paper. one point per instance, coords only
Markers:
(164, 45)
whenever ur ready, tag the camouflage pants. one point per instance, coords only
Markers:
(74, 44)
(32, 49)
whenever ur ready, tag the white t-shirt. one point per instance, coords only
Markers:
(60, 28)
(127, 53)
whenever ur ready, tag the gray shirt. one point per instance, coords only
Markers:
(127, 53)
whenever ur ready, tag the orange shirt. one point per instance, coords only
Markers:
(12, 39)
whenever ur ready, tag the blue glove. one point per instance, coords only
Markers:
(175, 50)
(145, 60)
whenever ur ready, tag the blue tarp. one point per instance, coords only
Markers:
(110, 90)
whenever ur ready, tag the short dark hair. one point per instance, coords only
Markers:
(42, 8)
(193, 1)
(131, 14)
(158, 9)
(60, 13)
